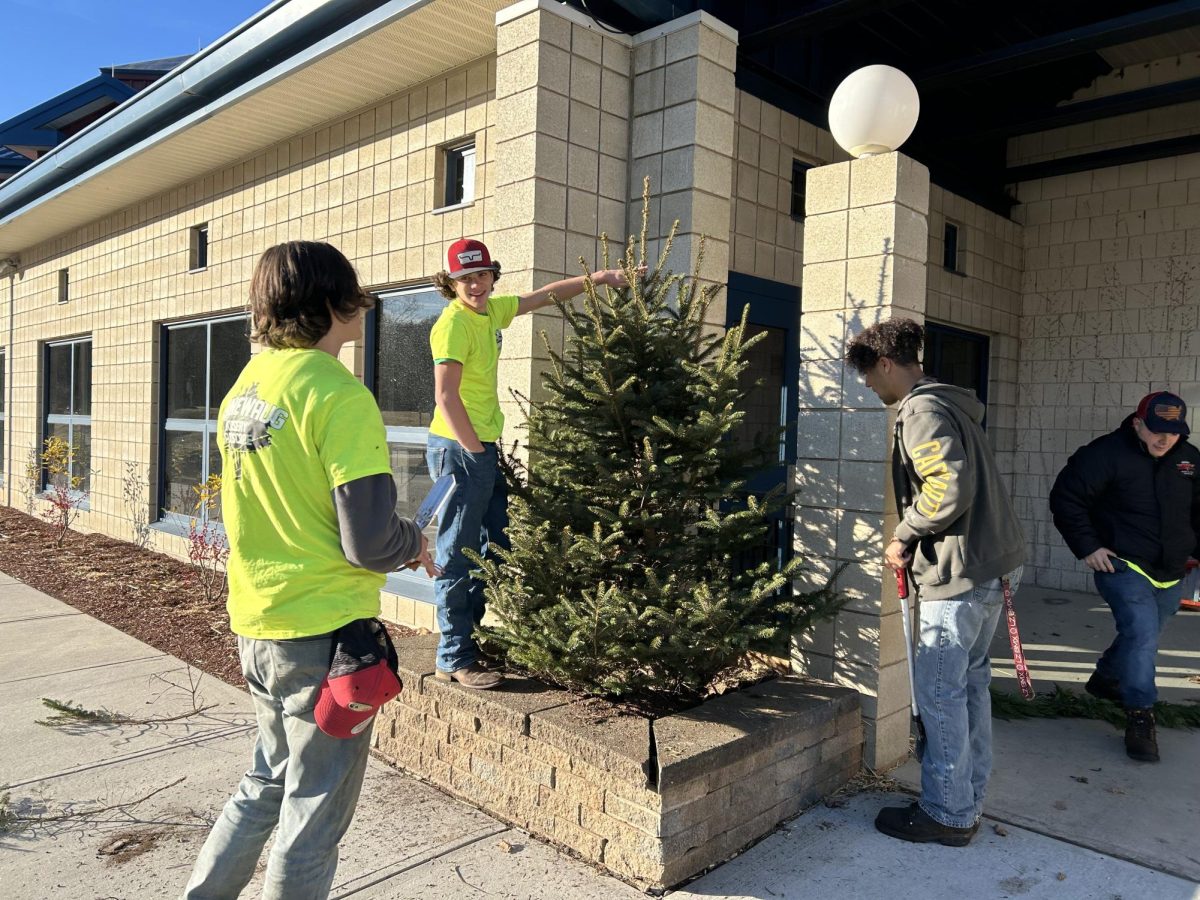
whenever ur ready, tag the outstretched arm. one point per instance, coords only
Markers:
(569, 288)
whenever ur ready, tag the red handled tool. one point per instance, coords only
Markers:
(902, 593)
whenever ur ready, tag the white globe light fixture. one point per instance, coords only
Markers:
(874, 110)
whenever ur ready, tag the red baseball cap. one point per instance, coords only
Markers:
(362, 677)
(347, 704)
(467, 256)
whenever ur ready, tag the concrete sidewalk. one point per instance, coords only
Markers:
(409, 840)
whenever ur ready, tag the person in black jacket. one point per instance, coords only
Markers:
(1128, 505)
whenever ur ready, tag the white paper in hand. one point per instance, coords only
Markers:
(435, 501)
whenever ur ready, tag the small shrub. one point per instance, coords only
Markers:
(133, 491)
(208, 551)
(31, 479)
(64, 491)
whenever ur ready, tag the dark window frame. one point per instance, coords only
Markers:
(935, 335)
(459, 166)
(414, 585)
(799, 168)
(206, 426)
(952, 247)
(198, 248)
(71, 419)
(3, 412)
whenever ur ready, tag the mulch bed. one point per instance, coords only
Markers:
(150, 596)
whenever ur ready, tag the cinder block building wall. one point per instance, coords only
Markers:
(365, 182)
(1110, 297)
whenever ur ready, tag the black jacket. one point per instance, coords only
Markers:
(1114, 494)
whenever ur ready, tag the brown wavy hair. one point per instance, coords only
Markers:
(445, 284)
(897, 339)
(296, 290)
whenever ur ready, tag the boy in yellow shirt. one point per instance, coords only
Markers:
(309, 512)
(464, 438)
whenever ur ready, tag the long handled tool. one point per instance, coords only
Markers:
(1014, 641)
(902, 593)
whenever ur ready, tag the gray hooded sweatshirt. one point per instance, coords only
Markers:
(956, 516)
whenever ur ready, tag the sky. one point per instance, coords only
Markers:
(53, 45)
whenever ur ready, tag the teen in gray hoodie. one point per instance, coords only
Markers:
(959, 536)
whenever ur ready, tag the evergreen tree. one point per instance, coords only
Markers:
(628, 527)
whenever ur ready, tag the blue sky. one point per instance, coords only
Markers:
(53, 45)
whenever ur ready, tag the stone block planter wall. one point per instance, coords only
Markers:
(653, 801)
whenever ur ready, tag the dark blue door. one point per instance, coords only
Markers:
(770, 383)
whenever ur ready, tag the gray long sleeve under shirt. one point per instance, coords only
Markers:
(373, 536)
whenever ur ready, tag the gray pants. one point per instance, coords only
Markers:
(302, 782)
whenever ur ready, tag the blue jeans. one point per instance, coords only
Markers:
(476, 514)
(953, 672)
(1140, 610)
(302, 781)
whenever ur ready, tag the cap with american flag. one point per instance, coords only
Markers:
(1164, 413)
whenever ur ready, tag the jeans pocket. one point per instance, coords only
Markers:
(475, 460)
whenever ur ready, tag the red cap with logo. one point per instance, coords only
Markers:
(466, 257)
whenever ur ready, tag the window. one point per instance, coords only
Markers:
(953, 250)
(68, 403)
(459, 174)
(400, 372)
(201, 360)
(198, 252)
(64, 286)
(798, 174)
(3, 360)
(957, 357)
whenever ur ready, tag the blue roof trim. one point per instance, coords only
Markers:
(12, 162)
(28, 129)
(234, 63)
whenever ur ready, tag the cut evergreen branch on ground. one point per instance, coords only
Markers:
(1064, 703)
(68, 713)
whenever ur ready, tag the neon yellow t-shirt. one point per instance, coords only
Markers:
(295, 425)
(473, 339)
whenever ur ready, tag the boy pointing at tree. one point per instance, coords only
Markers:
(464, 438)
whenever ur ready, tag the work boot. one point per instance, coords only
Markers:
(1141, 743)
(1104, 687)
(473, 676)
(911, 823)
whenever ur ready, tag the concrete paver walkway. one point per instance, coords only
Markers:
(409, 840)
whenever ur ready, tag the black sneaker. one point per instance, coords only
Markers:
(1104, 688)
(1141, 743)
(911, 823)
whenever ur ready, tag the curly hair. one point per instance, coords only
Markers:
(445, 284)
(897, 339)
(296, 290)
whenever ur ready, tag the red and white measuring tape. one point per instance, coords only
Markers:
(1014, 640)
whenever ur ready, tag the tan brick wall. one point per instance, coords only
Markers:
(562, 138)
(1110, 299)
(364, 182)
(533, 759)
(985, 298)
(766, 241)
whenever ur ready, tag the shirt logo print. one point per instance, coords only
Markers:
(930, 463)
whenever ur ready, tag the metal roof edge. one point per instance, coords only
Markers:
(256, 53)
